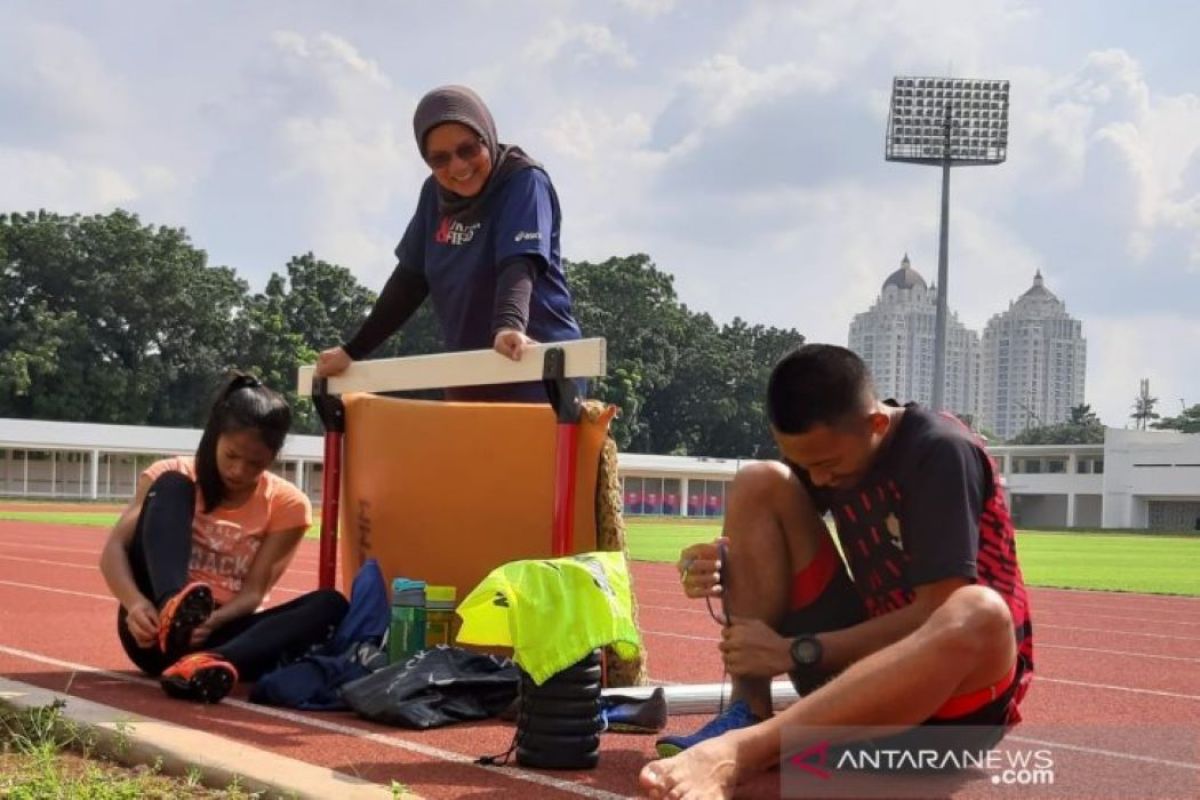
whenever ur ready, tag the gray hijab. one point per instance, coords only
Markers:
(460, 104)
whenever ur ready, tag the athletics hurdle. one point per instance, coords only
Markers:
(555, 365)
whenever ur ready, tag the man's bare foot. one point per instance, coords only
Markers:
(707, 771)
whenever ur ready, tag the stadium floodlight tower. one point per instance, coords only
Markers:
(946, 122)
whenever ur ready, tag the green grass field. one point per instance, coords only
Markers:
(102, 519)
(99, 519)
(1077, 560)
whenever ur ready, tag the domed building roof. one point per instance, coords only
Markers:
(1039, 290)
(905, 278)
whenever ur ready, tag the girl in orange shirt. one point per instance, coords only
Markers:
(194, 555)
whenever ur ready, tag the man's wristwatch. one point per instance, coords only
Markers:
(807, 653)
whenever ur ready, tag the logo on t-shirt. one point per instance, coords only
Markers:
(892, 523)
(528, 236)
(221, 553)
(455, 233)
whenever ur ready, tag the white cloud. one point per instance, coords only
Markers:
(725, 87)
(331, 133)
(582, 43)
(649, 8)
(62, 84)
(844, 37)
(34, 179)
(1123, 350)
(593, 136)
(334, 57)
(1144, 138)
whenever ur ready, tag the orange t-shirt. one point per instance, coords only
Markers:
(225, 540)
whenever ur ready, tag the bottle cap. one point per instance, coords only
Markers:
(407, 585)
(441, 594)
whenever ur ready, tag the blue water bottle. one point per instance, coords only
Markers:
(406, 636)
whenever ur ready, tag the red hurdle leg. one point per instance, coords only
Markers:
(330, 503)
(566, 450)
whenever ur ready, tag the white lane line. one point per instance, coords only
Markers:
(1056, 613)
(674, 609)
(96, 568)
(676, 593)
(1162, 599)
(1119, 596)
(1126, 653)
(1110, 631)
(109, 598)
(24, 546)
(68, 564)
(292, 570)
(1159, 614)
(1182, 599)
(334, 727)
(36, 587)
(1095, 751)
(680, 636)
(1112, 688)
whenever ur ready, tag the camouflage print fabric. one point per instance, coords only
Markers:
(610, 536)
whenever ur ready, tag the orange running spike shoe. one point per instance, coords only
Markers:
(203, 677)
(182, 614)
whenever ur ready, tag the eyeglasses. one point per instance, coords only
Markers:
(465, 152)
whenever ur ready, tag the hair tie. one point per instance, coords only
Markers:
(243, 381)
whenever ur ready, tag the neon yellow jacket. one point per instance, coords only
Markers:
(553, 612)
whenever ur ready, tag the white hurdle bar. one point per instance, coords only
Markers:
(585, 358)
(703, 698)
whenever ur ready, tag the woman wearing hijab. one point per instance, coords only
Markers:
(483, 245)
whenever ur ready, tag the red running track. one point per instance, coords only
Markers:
(1105, 661)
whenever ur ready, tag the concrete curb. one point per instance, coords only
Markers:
(132, 739)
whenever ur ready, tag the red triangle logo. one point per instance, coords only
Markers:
(813, 760)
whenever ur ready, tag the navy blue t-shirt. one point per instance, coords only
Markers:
(461, 261)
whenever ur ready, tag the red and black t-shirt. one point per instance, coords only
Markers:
(930, 508)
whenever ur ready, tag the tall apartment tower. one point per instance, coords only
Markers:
(1034, 363)
(895, 339)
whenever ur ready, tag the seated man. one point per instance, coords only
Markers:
(934, 627)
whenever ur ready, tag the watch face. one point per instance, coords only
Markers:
(806, 651)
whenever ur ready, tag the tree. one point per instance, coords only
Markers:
(683, 383)
(322, 303)
(1188, 421)
(715, 404)
(110, 320)
(1143, 406)
(1083, 415)
(1081, 427)
(632, 305)
(269, 347)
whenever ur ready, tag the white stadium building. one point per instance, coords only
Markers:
(1135, 480)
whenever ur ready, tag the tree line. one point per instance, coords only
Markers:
(108, 319)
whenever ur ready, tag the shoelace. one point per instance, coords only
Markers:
(724, 620)
(502, 759)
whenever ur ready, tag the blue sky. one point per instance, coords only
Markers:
(739, 144)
